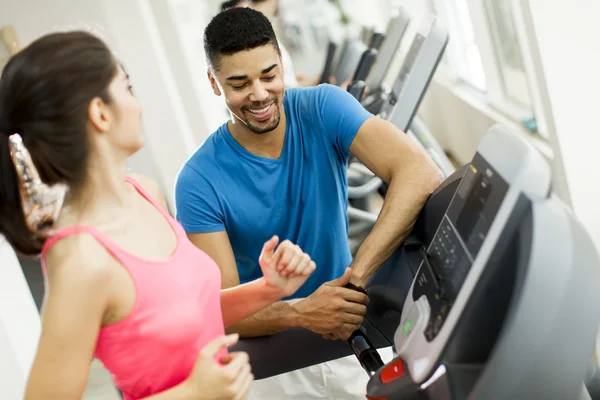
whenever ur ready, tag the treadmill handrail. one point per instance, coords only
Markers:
(364, 190)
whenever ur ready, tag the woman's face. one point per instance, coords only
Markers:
(125, 129)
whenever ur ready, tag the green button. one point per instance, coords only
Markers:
(407, 326)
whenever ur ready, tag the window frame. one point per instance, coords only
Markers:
(494, 93)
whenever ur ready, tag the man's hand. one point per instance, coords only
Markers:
(285, 269)
(333, 310)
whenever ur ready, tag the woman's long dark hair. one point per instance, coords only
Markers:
(45, 93)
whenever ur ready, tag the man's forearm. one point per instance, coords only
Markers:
(277, 317)
(405, 198)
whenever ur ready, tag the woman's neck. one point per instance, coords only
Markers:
(104, 192)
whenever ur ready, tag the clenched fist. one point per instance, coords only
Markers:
(285, 267)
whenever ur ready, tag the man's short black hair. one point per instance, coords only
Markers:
(235, 30)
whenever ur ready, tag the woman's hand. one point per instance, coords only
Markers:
(211, 381)
(285, 268)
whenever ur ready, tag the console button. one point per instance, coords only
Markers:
(392, 372)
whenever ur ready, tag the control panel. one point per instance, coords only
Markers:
(458, 240)
(447, 266)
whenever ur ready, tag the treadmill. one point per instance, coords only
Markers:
(350, 56)
(485, 298)
(386, 53)
(400, 106)
(415, 75)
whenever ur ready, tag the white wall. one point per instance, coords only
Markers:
(136, 39)
(566, 57)
(189, 18)
(19, 325)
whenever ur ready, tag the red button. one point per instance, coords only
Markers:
(375, 398)
(392, 372)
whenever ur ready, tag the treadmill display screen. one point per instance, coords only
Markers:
(408, 63)
(459, 238)
(407, 66)
(477, 201)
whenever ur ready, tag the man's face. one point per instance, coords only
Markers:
(252, 83)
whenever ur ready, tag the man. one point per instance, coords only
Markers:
(279, 167)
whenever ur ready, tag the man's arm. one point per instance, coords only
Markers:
(412, 176)
(332, 308)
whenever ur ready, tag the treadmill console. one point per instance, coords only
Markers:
(453, 264)
(416, 72)
(405, 70)
(386, 53)
(458, 241)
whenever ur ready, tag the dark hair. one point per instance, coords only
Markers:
(235, 30)
(45, 92)
(226, 5)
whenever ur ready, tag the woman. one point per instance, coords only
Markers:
(123, 282)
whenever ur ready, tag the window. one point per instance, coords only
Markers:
(462, 55)
(508, 51)
(486, 51)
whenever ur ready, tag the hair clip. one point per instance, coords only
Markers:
(41, 203)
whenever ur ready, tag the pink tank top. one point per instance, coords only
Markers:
(177, 312)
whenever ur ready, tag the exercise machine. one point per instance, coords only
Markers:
(386, 53)
(329, 62)
(415, 75)
(399, 106)
(484, 300)
(350, 56)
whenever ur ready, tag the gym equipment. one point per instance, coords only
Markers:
(386, 45)
(350, 56)
(329, 61)
(400, 106)
(472, 325)
(364, 65)
(357, 88)
(389, 48)
(376, 40)
(366, 34)
(415, 74)
(480, 301)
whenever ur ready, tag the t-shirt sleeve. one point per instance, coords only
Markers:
(341, 115)
(197, 206)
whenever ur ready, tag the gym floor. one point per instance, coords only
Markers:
(99, 386)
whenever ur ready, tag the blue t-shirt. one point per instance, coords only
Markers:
(302, 196)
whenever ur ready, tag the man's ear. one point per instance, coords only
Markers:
(213, 83)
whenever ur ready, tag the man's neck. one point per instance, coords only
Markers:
(268, 145)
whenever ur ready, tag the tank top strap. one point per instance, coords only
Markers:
(161, 209)
(104, 240)
(146, 195)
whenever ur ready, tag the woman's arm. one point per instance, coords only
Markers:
(240, 302)
(74, 307)
(285, 268)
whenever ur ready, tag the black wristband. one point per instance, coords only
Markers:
(357, 288)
